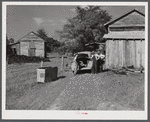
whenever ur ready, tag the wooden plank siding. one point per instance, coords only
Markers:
(125, 40)
(24, 46)
(31, 45)
(138, 51)
(124, 60)
(143, 53)
(40, 51)
(132, 51)
(17, 47)
(123, 52)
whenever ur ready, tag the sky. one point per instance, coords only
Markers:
(22, 19)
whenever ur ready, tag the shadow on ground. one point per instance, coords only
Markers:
(89, 71)
(60, 77)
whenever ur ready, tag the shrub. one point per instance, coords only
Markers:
(24, 59)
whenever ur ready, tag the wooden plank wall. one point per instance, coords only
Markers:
(39, 45)
(143, 53)
(17, 46)
(121, 53)
(18, 49)
(24, 46)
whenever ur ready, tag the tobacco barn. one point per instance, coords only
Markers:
(125, 41)
(30, 45)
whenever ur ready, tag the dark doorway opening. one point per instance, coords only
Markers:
(32, 51)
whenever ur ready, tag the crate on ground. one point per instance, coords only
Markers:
(54, 72)
(46, 74)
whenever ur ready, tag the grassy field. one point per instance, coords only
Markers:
(85, 91)
(22, 90)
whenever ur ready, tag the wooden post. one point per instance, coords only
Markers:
(62, 65)
(41, 63)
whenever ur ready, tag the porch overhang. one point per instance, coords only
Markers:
(125, 35)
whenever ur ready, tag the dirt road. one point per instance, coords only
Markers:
(85, 91)
(96, 92)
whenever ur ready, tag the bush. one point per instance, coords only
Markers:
(24, 59)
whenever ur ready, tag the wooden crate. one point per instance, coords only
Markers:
(46, 74)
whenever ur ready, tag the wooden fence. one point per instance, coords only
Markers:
(121, 53)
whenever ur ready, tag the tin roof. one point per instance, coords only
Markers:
(123, 16)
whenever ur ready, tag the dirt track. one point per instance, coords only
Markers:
(84, 91)
(91, 92)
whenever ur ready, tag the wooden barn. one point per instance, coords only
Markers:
(125, 41)
(30, 45)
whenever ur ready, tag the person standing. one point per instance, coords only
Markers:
(101, 60)
(97, 55)
(94, 62)
(95, 58)
(98, 61)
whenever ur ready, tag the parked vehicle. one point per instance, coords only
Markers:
(82, 61)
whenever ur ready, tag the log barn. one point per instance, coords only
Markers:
(125, 41)
(30, 45)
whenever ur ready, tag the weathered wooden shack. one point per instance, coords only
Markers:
(125, 41)
(30, 45)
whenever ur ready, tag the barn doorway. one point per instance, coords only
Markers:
(31, 51)
(14, 51)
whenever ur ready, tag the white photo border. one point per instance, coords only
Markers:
(72, 115)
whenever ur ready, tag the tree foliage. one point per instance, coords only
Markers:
(8, 47)
(51, 44)
(87, 26)
(42, 33)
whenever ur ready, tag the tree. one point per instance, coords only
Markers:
(7, 40)
(11, 41)
(42, 33)
(8, 48)
(87, 26)
(51, 43)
